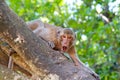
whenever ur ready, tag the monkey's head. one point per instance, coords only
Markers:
(67, 39)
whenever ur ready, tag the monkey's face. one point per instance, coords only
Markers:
(66, 42)
(67, 39)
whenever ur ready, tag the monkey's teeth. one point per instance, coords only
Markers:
(64, 48)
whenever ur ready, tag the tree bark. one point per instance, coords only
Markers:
(19, 64)
(42, 61)
(7, 74)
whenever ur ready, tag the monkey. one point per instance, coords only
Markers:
(61, 39)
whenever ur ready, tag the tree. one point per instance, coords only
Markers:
(40, 60)
(97, 40)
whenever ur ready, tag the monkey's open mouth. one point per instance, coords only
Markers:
(64, 48)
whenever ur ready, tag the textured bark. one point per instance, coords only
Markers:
(6, 74)
(42, 61)
(19, 64)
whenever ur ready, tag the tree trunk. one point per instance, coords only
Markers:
(38, 58)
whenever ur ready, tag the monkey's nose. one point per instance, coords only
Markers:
(65, 43)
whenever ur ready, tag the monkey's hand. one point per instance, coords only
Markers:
(51, 44)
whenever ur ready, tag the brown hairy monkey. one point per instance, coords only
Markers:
(62, 39)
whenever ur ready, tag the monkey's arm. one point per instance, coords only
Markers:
(73, 55)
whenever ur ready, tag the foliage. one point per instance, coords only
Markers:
(98, 41)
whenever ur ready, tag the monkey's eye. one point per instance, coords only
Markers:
(69, 37)
(64, 36)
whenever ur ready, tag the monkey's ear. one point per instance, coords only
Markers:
(58, 31)
(75, 35)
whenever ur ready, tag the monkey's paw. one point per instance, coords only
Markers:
(51, 44)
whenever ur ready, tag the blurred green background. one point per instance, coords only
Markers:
(96, 23)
